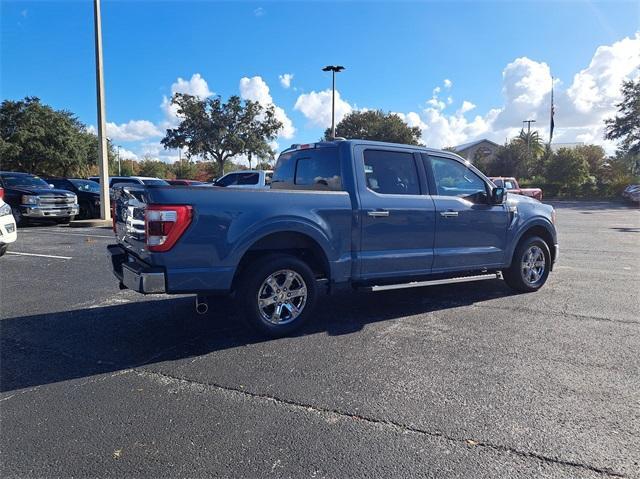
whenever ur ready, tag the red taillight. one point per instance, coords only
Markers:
(1, 193)
(164, 224)
(113, 217)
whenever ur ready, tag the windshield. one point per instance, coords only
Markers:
(155, 182)
(25, 180)
(86, 185)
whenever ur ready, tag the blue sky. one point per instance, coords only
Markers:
(497, 58)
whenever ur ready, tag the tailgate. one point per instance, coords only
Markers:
(129, 203)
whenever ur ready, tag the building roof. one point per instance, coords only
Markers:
(466, 146)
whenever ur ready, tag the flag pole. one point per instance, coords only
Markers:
(552, 112)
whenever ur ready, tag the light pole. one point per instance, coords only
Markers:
(528, 122)
(333, 69)
(103, 156)
(119, 169)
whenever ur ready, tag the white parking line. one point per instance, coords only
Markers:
(38, 255)
(68, 234)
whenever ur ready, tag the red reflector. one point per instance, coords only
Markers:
(164, 225)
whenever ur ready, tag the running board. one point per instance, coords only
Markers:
(433, 282)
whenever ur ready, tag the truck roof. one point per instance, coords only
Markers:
(321, 144)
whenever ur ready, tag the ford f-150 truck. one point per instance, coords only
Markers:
(344, 213)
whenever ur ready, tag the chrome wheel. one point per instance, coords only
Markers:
(533, 264)
(282, 297)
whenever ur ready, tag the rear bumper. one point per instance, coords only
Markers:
(135, 275)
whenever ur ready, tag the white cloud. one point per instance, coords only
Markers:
(127, 154)
(447, 83)
(259, 12)
(581, 108)
(316, 107)
(256, 89)
(285, 79)
(466, 106)
(196, 86)
(134, 130)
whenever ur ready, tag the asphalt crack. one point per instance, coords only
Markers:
(187, 384)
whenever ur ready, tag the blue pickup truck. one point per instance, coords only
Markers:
(344, 213)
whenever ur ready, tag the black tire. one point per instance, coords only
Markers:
(529, 278)
(3, 249)
(20, 221)
(252, 283)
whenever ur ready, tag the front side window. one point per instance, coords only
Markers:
(508, 184)
(453, 178)
(391, 172)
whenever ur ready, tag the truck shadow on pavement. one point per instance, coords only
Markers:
(47, 348)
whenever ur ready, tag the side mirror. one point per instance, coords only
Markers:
(498, 195)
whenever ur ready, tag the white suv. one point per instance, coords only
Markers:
(8, 232)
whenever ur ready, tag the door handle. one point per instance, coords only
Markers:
(378, 213)
(449, 214)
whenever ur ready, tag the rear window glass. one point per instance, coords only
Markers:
(313, 168)
(155, 182)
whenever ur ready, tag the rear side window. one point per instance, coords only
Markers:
(311, 169)
(391, 172)
(228, 180)
(248, 178)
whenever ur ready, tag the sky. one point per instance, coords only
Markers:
(460, 71)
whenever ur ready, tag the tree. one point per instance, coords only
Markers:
(568, 169)
(155, 168)
(217, 130)
(376, 125)
(184, 169)
(626, 125)
(35, 138)
(595, 157)
(510, 160)
(261, 132)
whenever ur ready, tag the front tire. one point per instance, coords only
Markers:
(3, 249)
(530, 265)
(278, 294)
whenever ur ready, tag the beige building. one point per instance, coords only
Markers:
(477, 149)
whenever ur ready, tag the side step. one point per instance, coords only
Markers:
(433, 282)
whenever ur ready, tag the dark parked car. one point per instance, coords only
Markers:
(32, 199)
(87, 191)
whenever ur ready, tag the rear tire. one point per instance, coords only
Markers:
(530, 265)
(277, 294)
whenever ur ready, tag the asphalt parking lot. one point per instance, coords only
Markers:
(457, 381)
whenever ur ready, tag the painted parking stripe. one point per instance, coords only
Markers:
(71, 234)
(38, 255)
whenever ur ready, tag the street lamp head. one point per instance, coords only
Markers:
(333, 68)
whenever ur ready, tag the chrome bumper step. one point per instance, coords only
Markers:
(432, 282)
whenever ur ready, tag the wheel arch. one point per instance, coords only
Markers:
(540, 229)
(299, 244)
